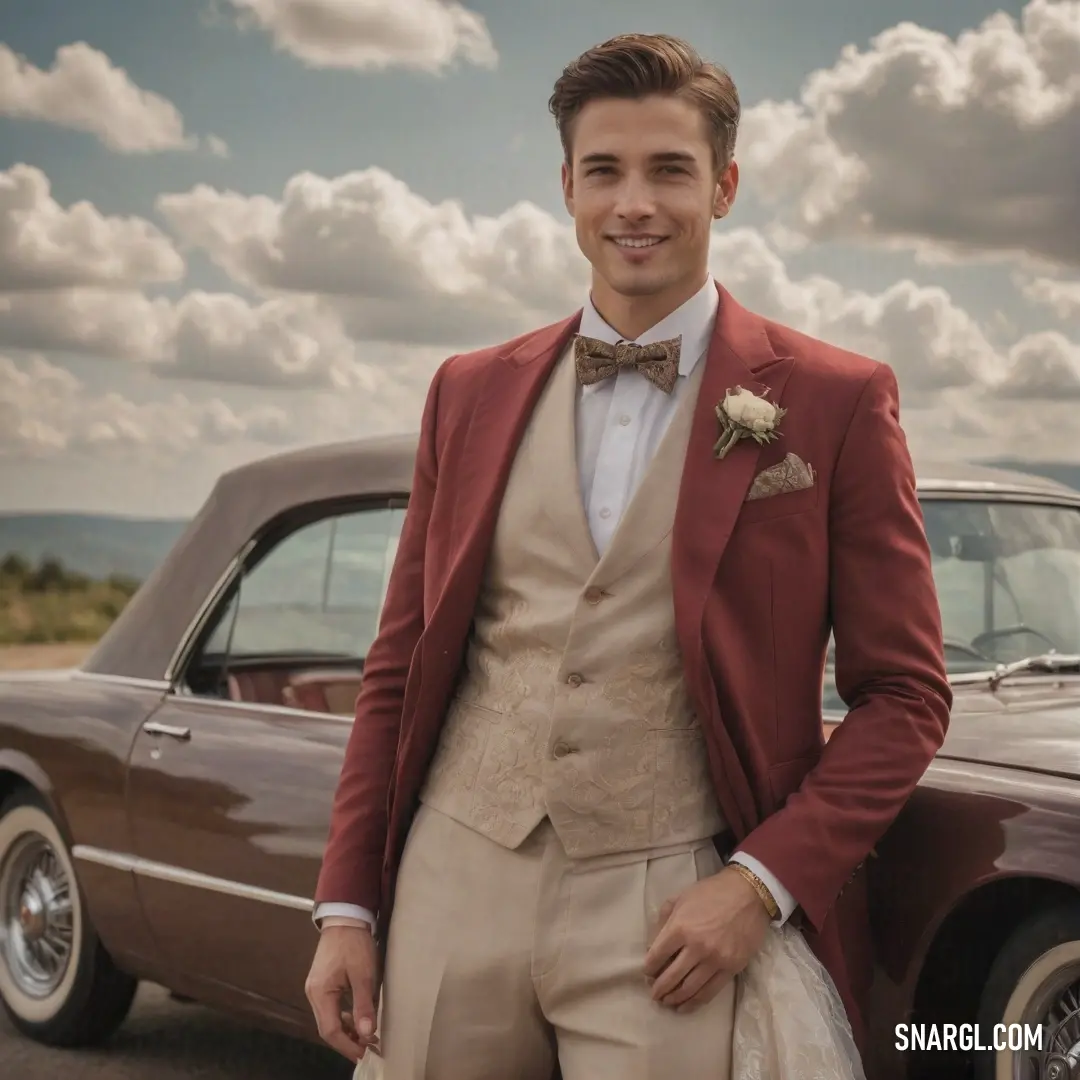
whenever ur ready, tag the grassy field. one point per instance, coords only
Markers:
(51, 616)
(37, 657)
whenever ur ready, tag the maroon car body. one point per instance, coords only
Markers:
(179, 782)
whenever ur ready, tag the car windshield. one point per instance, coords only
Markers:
(1008, 581)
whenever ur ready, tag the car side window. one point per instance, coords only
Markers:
(300, 620)
(1007, 575)
(319, 591)
(1008, 579)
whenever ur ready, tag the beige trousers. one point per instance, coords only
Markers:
(500, 963)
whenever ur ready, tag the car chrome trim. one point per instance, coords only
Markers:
(969, 678)
(116, 860)
(978, 490)
(195, 627)
(121, 680)
(258, 708)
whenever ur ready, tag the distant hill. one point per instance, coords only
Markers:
(92, 544)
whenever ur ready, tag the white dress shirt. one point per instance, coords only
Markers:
(620, 422)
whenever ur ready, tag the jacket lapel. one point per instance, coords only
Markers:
(711, 495)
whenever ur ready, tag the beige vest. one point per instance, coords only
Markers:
(572, 702)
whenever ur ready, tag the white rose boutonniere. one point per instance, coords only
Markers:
(743, 415)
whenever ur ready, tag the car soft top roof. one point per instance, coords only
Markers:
(249, 498)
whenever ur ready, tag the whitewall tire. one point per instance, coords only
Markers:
(1034, 984)
(57, 983)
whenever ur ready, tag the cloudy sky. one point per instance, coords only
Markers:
(233, 226)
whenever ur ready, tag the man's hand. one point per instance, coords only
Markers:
(705, 936)
(341, 988)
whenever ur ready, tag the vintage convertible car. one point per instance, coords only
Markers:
(163, 808)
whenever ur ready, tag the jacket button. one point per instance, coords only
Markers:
(594, 595)
(574, 679)
(560, 750)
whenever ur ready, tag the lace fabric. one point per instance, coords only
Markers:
(370, 1067)
(790, 1023)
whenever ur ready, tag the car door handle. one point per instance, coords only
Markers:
(152, 727)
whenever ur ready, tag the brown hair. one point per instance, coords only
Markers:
(636, 65)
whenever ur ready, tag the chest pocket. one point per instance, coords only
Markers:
(784, 504)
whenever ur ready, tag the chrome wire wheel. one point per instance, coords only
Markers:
(40, 916)
(36, 915)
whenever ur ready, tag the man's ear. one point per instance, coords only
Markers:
(727, 185)
(567, 181)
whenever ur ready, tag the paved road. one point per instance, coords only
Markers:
(165, 1040)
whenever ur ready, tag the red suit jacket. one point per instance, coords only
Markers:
(758, 585)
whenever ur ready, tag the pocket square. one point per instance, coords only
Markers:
(791, 474)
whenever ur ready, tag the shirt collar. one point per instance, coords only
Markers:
(693, 321)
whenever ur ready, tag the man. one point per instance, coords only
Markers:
(587, 776)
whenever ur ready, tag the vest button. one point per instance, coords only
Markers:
(594, 595)
(560, 750)
(574, 679)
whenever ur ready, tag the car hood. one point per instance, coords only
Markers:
(1030, 722)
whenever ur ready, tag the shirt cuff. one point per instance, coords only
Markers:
(349, 911)
(784, 900)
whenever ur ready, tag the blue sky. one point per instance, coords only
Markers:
(949, 258)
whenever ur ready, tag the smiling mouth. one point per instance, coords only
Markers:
(637, 242)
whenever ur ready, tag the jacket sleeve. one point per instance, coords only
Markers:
(890, 666)
(351, 870)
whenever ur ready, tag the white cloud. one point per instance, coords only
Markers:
(123, 324)
(220, 337)
(85, 91)
(427, 35)
(45, 245)
(69, 282)
(45, 411)
(953, 148)
(396, 267)
(1042, 367)
(1061, 297)
(217, 146)
(213, 337)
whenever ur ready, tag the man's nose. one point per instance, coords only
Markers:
(635, 200)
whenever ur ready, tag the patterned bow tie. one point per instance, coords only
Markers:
(596, 360)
